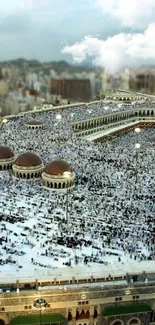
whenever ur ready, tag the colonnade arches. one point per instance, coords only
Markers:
(117, 322)
(82, 314)
(6, 167)
(70, 315)
(2, 322)
(95, 312)
(60, 185)
(35, 127)
(28, 175)
(115, 117)
(134, 321)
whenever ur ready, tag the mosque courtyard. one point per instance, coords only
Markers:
(106, 221)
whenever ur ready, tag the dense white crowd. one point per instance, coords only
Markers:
(110, 215)
(101, 108)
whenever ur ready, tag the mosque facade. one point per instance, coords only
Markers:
(113, 304)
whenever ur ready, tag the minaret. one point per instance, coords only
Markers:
(92, 83)
(126, 79)
(104, 81)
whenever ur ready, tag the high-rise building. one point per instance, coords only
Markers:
(71, 89)
(92, 83)
(144, 82)
(126, 79)
(116, 81)
(3, 87)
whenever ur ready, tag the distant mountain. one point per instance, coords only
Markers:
(58, 66)
(22, 62)
(61, 66)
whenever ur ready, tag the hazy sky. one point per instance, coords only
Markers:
(41, 28)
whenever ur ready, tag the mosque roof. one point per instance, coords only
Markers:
(28, 159)
(6, 152)
(34, 122)
(58, 168)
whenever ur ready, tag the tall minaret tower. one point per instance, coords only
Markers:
(126, 79)
(104, 81)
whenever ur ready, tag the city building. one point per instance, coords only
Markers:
(71, 89)
(116, 81)
(3, 87)
(144, 82)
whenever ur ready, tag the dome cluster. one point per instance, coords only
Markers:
(56, 175)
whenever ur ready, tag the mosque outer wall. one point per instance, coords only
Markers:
(125, 130)
(112, 120)
(69, 302)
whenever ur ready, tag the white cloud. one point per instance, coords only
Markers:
(25, 5)
(122, 50)
(131, 13)
(34, 5)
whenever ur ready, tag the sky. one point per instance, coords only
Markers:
(106, 33)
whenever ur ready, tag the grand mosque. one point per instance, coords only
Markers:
(61, 261)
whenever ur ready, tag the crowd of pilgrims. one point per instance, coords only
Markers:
(101, 108)
(108, 218)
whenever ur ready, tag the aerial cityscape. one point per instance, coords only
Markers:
(77, 172)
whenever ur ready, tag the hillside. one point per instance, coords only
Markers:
(58, 66)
